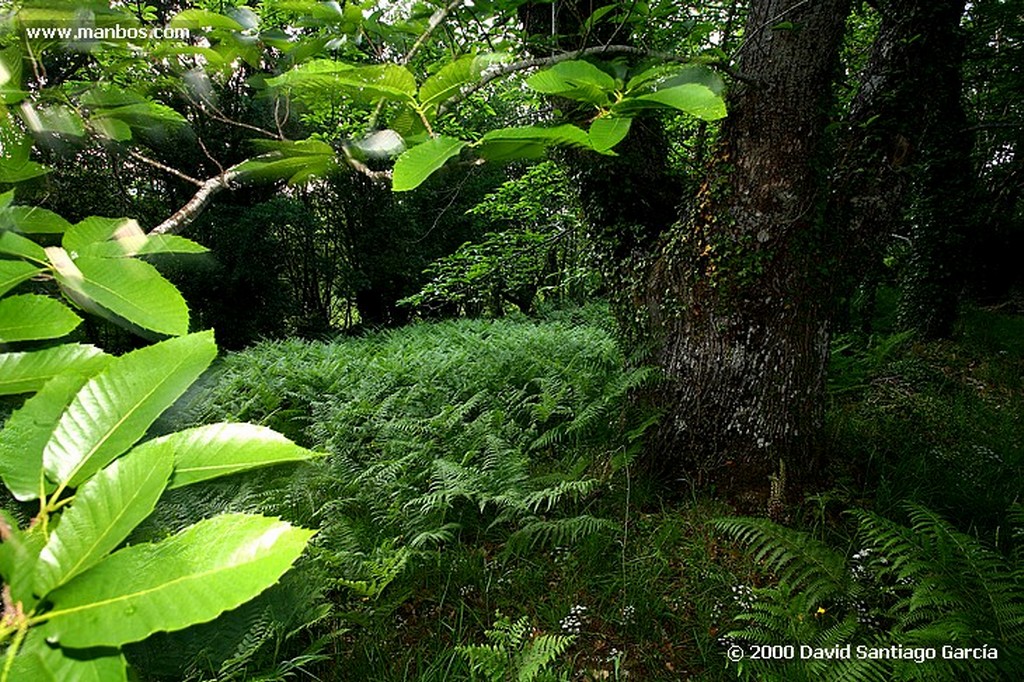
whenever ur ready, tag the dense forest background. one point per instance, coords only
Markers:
(617, 339)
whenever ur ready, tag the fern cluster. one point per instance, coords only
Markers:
(924, 584)
(497, 433)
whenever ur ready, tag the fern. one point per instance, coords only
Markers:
(925, 584)
(498, 433)
(514, 654)
(798, 560)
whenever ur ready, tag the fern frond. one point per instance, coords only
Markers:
(557, 532)
(797, 559)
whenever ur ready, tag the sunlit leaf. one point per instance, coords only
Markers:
(201, 18)
(106, 509)
(577, 80)
(528, 142)
(28, 429)
(91, 230)
(189, 578)
(608, 131)
(27, 372)
(31, 317)
(35, 220)
(124, 290)
(217, 450)
(14, 272)
(116, 407)
(418, 163)
(693, 98)
(12, 244)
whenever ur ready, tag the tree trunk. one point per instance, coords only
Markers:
(943, 207)
(907, 144)
(731, 300)
(739, 296)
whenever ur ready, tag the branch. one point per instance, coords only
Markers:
(993, 125)
(191, 210)
(360, 167)
(164, 167)
(435, 20)
(216, 114)
(539, 62)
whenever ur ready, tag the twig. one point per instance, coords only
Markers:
(435, 21)
(164, 167)
(206, 151)
(218, 115)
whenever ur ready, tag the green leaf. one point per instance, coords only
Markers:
(599, 14)
(54, 119)
(189, 578)
(28, 429)
(608, 131)
(14, 272)
(388, 81)
(95, 229)
(529, 141)
(577, 80)
(125, 289)
(693, 98)
(201, 18)
(453, 76)
(216, 450)
(106, 509)
(315, 75)
(130, 108)
(12, 244)
(418, 163)
(144, 115)
(296, 161)
(324, 78)
(39, 661)
(448, 81)
(16, 170)
(111, 128)
(35, 220)
(27, 372)
(142, 244)
(116, 407)
(31, 317)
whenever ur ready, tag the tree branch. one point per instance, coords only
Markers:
(164, 167)
(191, 210)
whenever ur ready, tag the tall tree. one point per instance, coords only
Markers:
(731, 297)
(738, 295)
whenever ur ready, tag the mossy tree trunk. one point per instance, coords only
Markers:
(732, 298)
(943, 205)
(740, 293)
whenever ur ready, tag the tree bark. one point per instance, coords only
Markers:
(731, 299)
(739, 295)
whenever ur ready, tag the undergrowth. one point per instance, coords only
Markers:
(480, 518)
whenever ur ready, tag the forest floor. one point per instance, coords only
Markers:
(482, 488)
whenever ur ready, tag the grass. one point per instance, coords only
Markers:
(481, 470)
